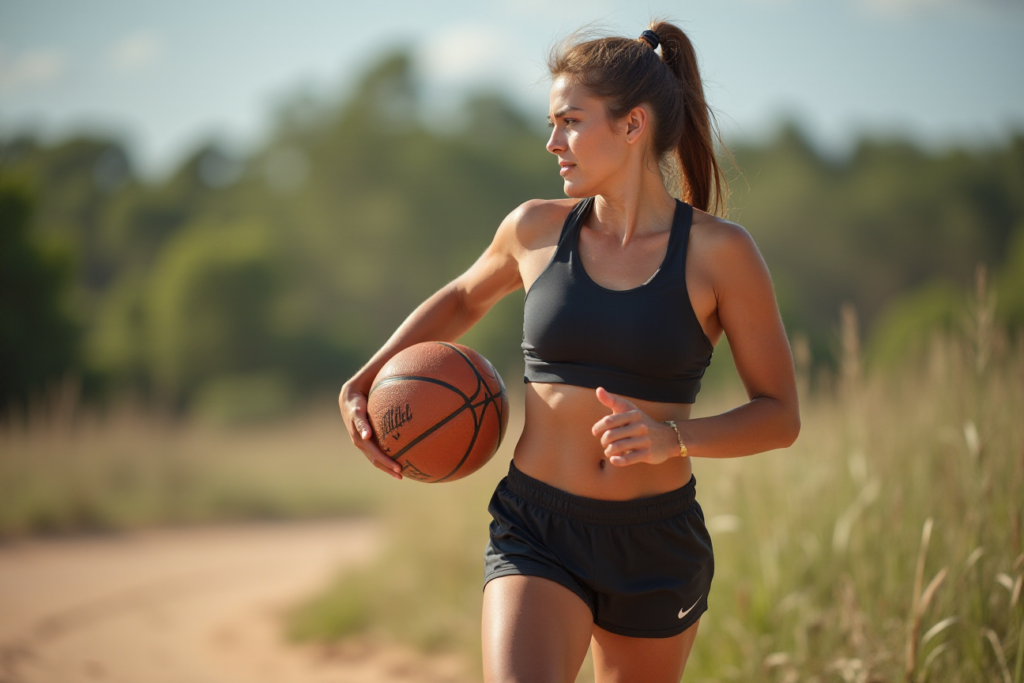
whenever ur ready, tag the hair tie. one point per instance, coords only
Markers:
(651, 38)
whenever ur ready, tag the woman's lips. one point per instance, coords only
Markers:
(565, 168)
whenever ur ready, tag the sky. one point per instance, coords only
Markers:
(169, 76)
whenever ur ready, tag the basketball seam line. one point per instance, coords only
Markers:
(430, 431)
(490, 399)
(480, 380)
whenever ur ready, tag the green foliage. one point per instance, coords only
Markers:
(907, 324)
(211, 306)
(118, 346)
(866, 229)
(38, 340)
(1010, 285)
(240, 399)
(300, 259)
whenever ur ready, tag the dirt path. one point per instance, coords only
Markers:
(188, 606)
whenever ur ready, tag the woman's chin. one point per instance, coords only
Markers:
(572, 189)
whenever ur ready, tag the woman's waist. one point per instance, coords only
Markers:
(583, 475)
(639, 510)
(558, 447)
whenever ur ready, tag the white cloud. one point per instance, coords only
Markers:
(135, 52)
(465, 53)
(35, 67)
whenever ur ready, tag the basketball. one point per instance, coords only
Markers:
(439, 409)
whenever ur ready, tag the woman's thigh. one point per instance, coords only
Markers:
(618, 659)
(533, 631)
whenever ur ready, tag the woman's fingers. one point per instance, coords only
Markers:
(623, 446)
(388, 467)
(631, 458)
(360, 423)
(362, 426)
(353, 409)
(379, 459)
(616, 420)
(626, 433)
(627, 430)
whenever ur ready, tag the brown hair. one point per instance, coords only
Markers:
(627, 72)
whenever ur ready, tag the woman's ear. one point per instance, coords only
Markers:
(636, 123)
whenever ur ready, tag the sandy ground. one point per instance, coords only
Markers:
(189, 606)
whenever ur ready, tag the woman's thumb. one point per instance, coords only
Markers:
(618, 405)
(605, 397)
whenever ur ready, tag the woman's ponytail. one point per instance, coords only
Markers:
(705, 183)
(628, 72)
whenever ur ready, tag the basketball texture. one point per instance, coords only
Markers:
(439, 409)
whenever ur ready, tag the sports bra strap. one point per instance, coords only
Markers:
(572, 221)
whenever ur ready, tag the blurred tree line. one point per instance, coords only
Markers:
(238, 285)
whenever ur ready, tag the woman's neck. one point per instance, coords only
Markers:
(633, 209)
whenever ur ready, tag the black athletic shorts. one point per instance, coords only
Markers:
(642, 566)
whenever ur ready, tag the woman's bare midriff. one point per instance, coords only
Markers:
(558, 447)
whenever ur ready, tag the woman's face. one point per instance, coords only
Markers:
(591, 150)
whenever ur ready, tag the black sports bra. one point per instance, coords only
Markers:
(644, 342)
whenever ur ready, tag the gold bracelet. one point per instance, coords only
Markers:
(682, 446)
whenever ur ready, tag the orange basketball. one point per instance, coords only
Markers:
(439, 409)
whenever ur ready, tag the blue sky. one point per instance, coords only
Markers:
(169, 75)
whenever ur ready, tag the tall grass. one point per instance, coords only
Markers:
(885, 545)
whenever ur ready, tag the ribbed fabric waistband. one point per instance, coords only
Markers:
(591, 510)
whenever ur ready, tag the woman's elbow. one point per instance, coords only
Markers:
(790, 427)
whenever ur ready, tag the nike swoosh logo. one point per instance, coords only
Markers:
(683, 614)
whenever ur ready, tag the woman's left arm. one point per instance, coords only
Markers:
(750, 318)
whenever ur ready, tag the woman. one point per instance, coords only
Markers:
(597, 538)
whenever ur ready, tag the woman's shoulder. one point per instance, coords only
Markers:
(723, 251)
(539, 214)
(537, 223)
(714, 236)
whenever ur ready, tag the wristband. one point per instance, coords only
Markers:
(682, 446)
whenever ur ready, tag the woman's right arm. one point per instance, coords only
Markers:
(445, 316)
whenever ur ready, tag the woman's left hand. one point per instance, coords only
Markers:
(629, 435)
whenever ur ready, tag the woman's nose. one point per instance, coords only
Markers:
(555, 142)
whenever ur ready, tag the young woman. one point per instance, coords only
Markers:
(597, 538)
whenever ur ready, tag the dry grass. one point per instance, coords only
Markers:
(68, 470)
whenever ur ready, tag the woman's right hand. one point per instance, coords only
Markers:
(352, 402)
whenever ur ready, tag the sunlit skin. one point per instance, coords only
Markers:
(591, 442)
